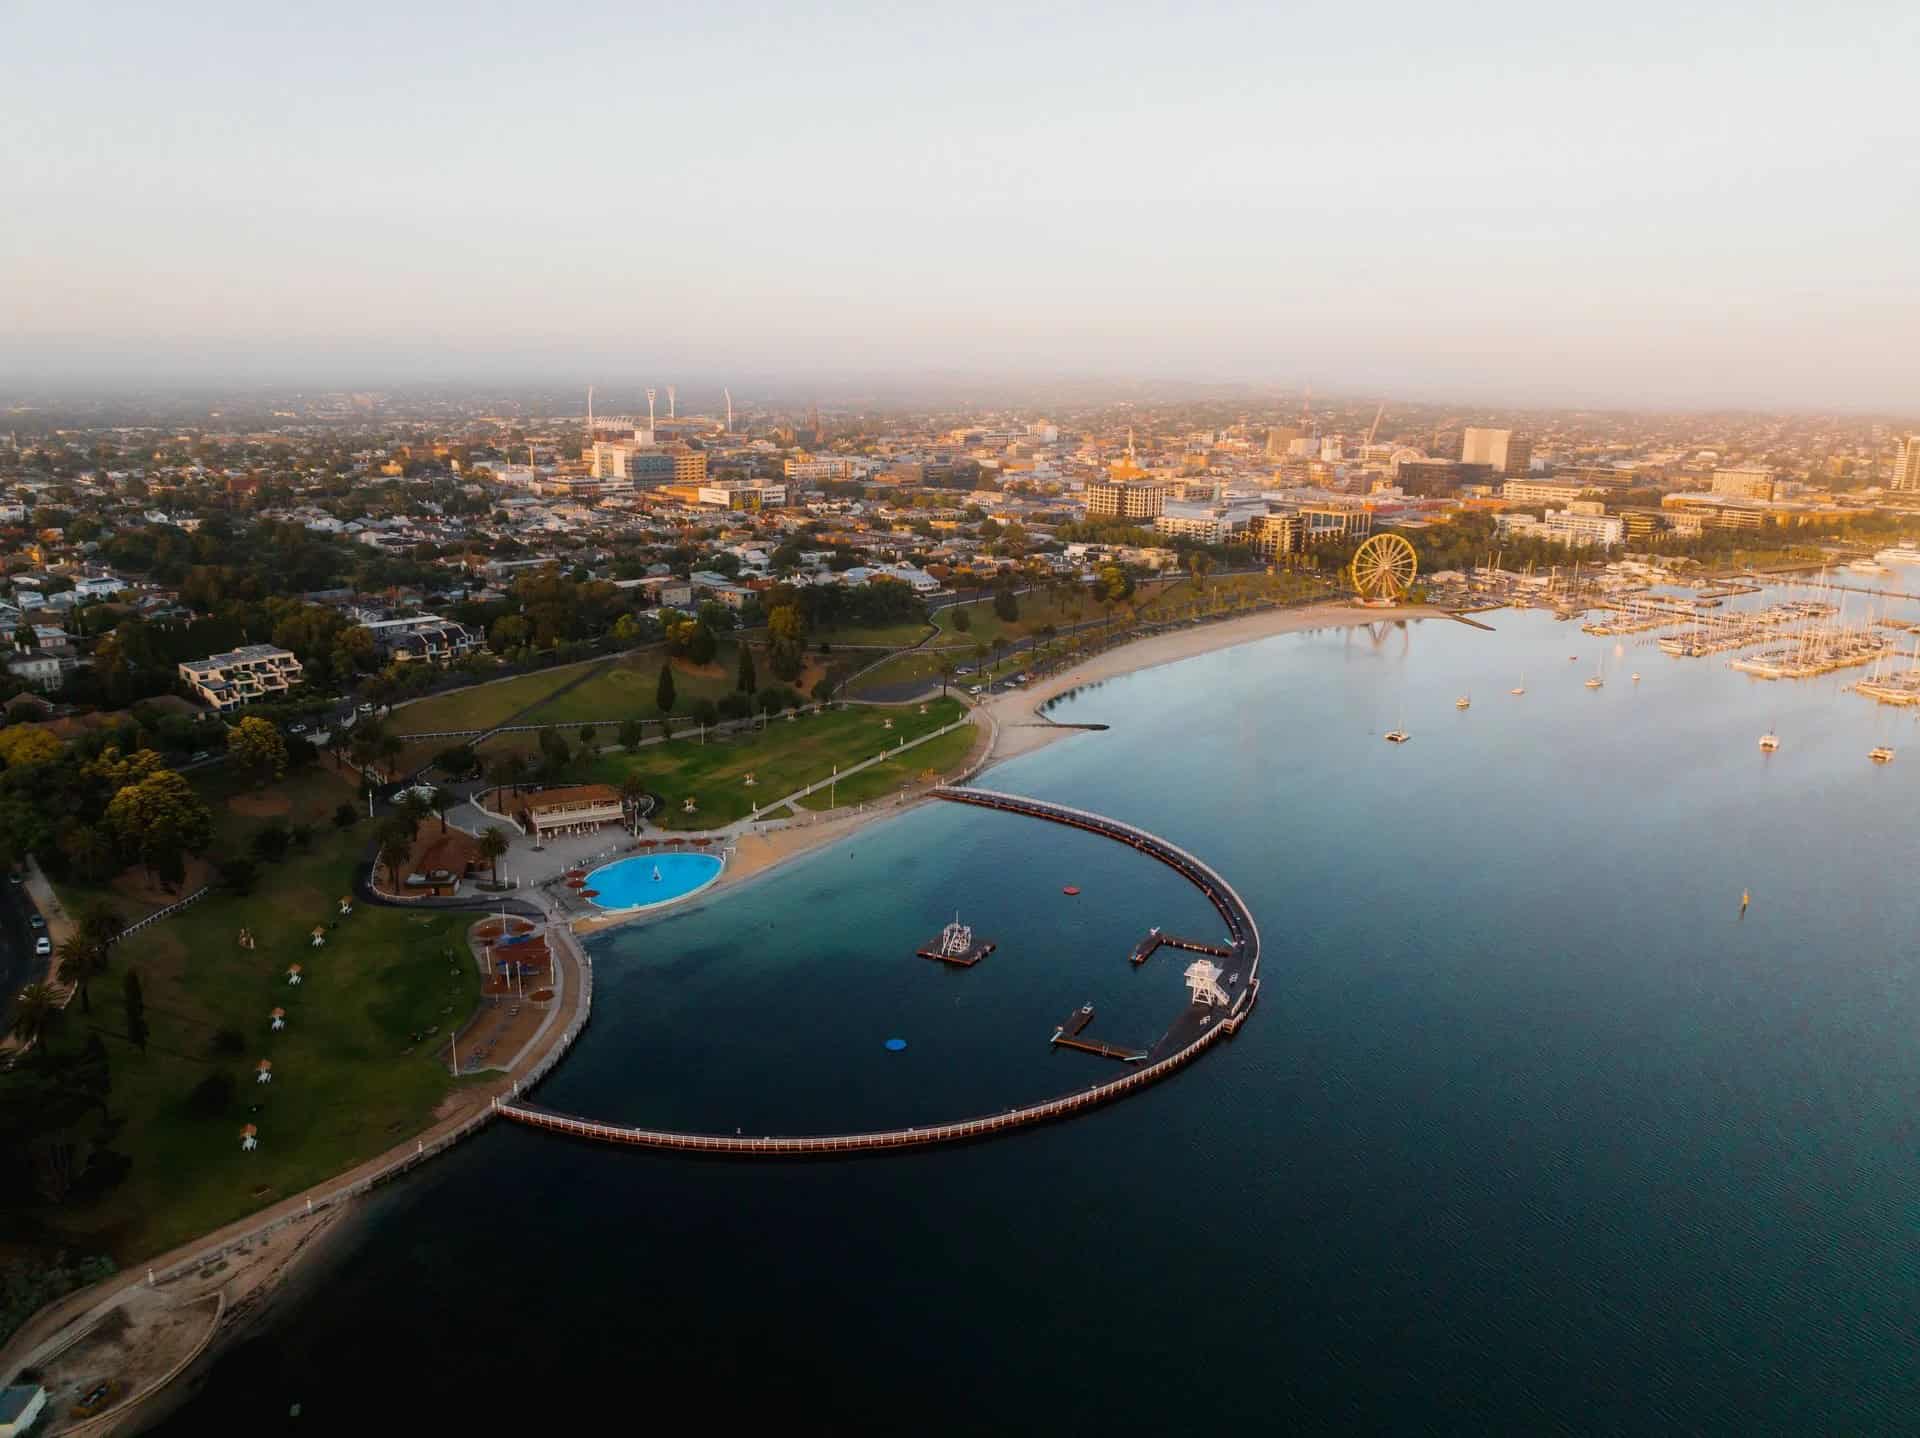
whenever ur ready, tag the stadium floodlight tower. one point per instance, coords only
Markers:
(670, 402)
(649, 409)
(1204, 979)
(728, 394)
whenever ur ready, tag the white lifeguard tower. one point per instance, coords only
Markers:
(1204, 979)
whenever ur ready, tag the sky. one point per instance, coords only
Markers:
(1625, 203)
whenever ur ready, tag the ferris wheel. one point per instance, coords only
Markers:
(1383, 569)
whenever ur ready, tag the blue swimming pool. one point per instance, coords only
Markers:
(649, 879)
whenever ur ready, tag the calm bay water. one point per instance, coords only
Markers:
(1531, 1131)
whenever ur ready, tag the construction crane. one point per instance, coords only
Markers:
(1374, 428)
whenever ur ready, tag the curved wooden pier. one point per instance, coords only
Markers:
(1196, 1029)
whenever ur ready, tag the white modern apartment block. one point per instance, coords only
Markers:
(1906, 464)
(240, 676)
(1564, 526)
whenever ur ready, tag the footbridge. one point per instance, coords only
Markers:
(1197, 1028)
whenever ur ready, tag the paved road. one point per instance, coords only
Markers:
(18, 965)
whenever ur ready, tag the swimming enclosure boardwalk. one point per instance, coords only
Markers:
(1156, 941)
(1196, 1029)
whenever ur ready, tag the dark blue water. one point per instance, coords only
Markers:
(1530, 1132)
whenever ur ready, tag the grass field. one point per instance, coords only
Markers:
(484, 705)
(942, 756)
(884, 636)
(344, 1085)
(919, 664)
(785, 757)
(624, 688)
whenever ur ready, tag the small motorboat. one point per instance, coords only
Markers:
(1397, 736)
(1881, 753)
(1070, 891)
(1769, 741)
(1463, 702)
(1636, 676)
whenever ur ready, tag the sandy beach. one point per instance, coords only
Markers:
(1017, 713)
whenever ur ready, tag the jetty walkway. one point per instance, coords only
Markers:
(1193, 1031)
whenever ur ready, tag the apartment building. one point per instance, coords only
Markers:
(240, 676)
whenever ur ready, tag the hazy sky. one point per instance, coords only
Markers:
(1617, 202)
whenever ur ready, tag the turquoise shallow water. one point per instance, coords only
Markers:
(650, 879)
(1531, 1131)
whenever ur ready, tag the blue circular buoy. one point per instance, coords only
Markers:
(896, 1044)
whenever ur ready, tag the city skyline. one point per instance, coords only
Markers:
(1642, 209)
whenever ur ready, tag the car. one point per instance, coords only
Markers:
(42, 946)
(14, 878)
(296, 728)
(366, 709)
(34, 921)
(200, 756)
(973, 688)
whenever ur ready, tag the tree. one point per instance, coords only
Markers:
(345, 816)
(270, 843)
(962, 618)
(395, 849)
(663, 695)
(135, 1003)
(587, 733)
(35, 1010)
(158, 817)
(494, 843)
(632, 732)
(702, 646)
(256, 749)
(238, 874)
(443, 800)
(1006, 604)
(22, 746)
(747, 681)
(946, 673)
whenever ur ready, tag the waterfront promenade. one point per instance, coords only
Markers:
(1192, 1031)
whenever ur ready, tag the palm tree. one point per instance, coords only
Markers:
(632, 787)
(101, 924)
(946, 673)
(33, 1012)
(391, 746)
(78, 962)
(395, 850)
(494, 843)
(441, 802)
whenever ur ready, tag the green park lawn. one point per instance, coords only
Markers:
(624, 688)
(876, 636)
(345, 1085)
(917, 664)
(942, 755)
(784, 757)
(481, 706)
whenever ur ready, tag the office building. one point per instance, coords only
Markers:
(1126, 498)
(1746, 483)
(1508, 453)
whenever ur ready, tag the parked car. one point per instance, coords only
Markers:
(296, 728)
(42, 946)
(34, 921)
(366, 709)
(200, 757)
(14, 877)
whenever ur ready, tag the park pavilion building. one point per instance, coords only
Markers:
(578, 808)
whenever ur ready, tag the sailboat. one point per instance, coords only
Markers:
(1594, 681)
(1769, 741)
(1465, 701)
(1398, 734)
(1521, 687)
